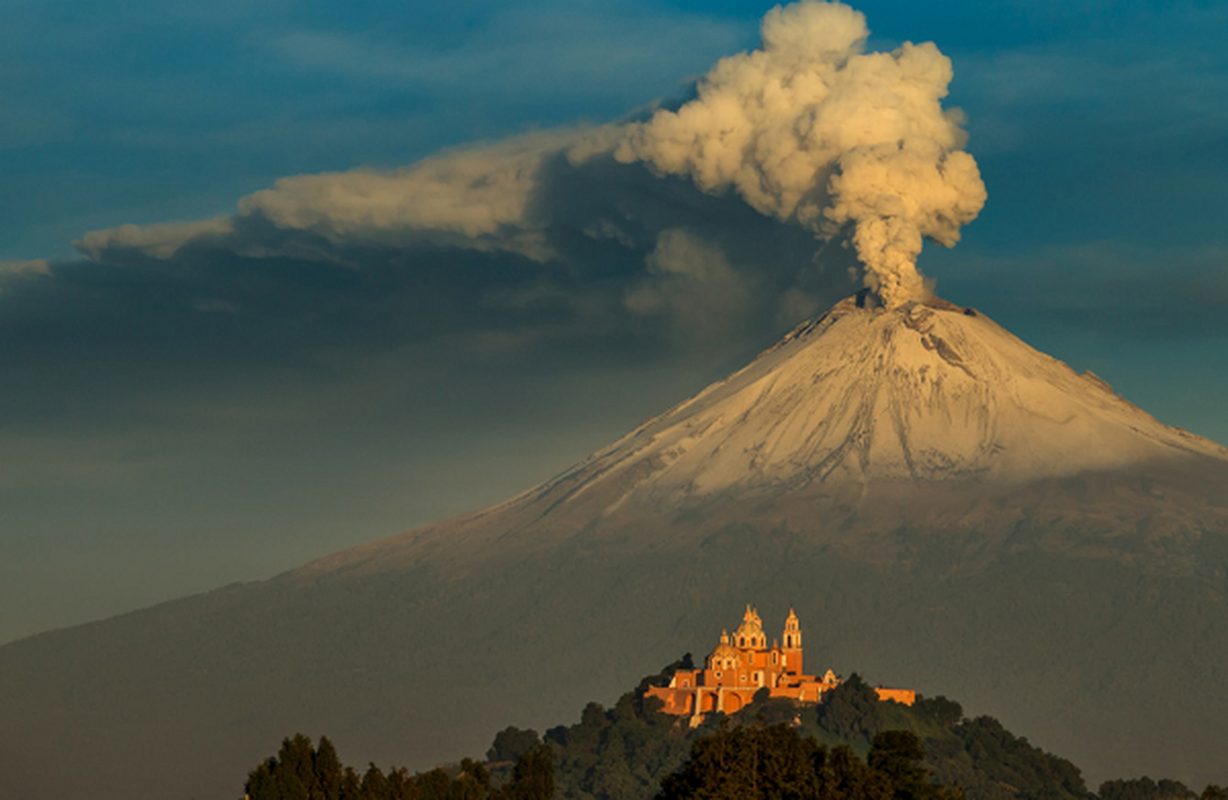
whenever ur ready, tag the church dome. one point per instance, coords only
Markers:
(725, 656)
(748, 629)
(750, 632)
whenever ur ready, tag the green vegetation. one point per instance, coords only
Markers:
(301, 772)
(1146, 789)
(775, 762)
(851, 747)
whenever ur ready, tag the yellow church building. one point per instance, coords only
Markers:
(742, 664)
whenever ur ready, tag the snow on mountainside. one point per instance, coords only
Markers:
(926, 392)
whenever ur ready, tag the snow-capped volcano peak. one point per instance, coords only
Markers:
(923, 392)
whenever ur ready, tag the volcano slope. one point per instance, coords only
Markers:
(945, 507)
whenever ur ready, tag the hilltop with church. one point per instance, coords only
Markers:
(743, 664)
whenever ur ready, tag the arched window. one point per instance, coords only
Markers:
(741, 641)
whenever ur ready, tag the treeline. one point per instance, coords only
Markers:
(1146, 789)
(631, 750)
(776, 762)
(300, 771)
(754, 762)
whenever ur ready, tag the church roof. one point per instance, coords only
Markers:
(751, 624)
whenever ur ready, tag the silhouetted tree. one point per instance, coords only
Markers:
(777, 763)
(402, 785)
(327, 769)
(1145, 788)
(298, 772)
(473, 782)
(297, 760)
(847, 778)
(897, 755)
(511, 743)
(852, 710)
(533, 778)
(375, 784)
(434, 785)
(1001, 758)
(946, 711)
(351, 785)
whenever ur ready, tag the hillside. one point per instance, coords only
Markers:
(627, 751)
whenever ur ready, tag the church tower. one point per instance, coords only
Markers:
(792, 650)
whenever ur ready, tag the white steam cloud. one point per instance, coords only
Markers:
(807, 129)
(810, 128)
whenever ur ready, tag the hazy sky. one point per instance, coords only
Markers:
(192, 405)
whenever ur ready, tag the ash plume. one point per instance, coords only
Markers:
(811, 128)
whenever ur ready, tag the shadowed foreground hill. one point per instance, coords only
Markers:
(771, 749)
(945, 508)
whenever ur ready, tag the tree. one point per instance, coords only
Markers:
(533, 777)
(262, 784)
(852, 710)
(327, 769)
(1145, 788)
(721, 767)
(401, 785)
(749, 763)
(847, 778)
(473, 782)
(511, 743)
(351, 786)
(943, 709)
(897, 755)
(375, 784)
(434, 785)
(770, 710)
(296, 770)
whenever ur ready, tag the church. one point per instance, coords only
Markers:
(743, 664)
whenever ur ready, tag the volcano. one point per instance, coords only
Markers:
(945, 507)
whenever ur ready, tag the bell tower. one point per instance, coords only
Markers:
(792, 650)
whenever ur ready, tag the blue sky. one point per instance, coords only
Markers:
(173, 425)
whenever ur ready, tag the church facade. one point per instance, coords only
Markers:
(743, 664)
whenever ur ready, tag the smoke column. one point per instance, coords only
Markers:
(811, 128)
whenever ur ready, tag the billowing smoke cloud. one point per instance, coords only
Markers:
(812, 129)
(476, 198)
(808, 130)
(36, 266)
